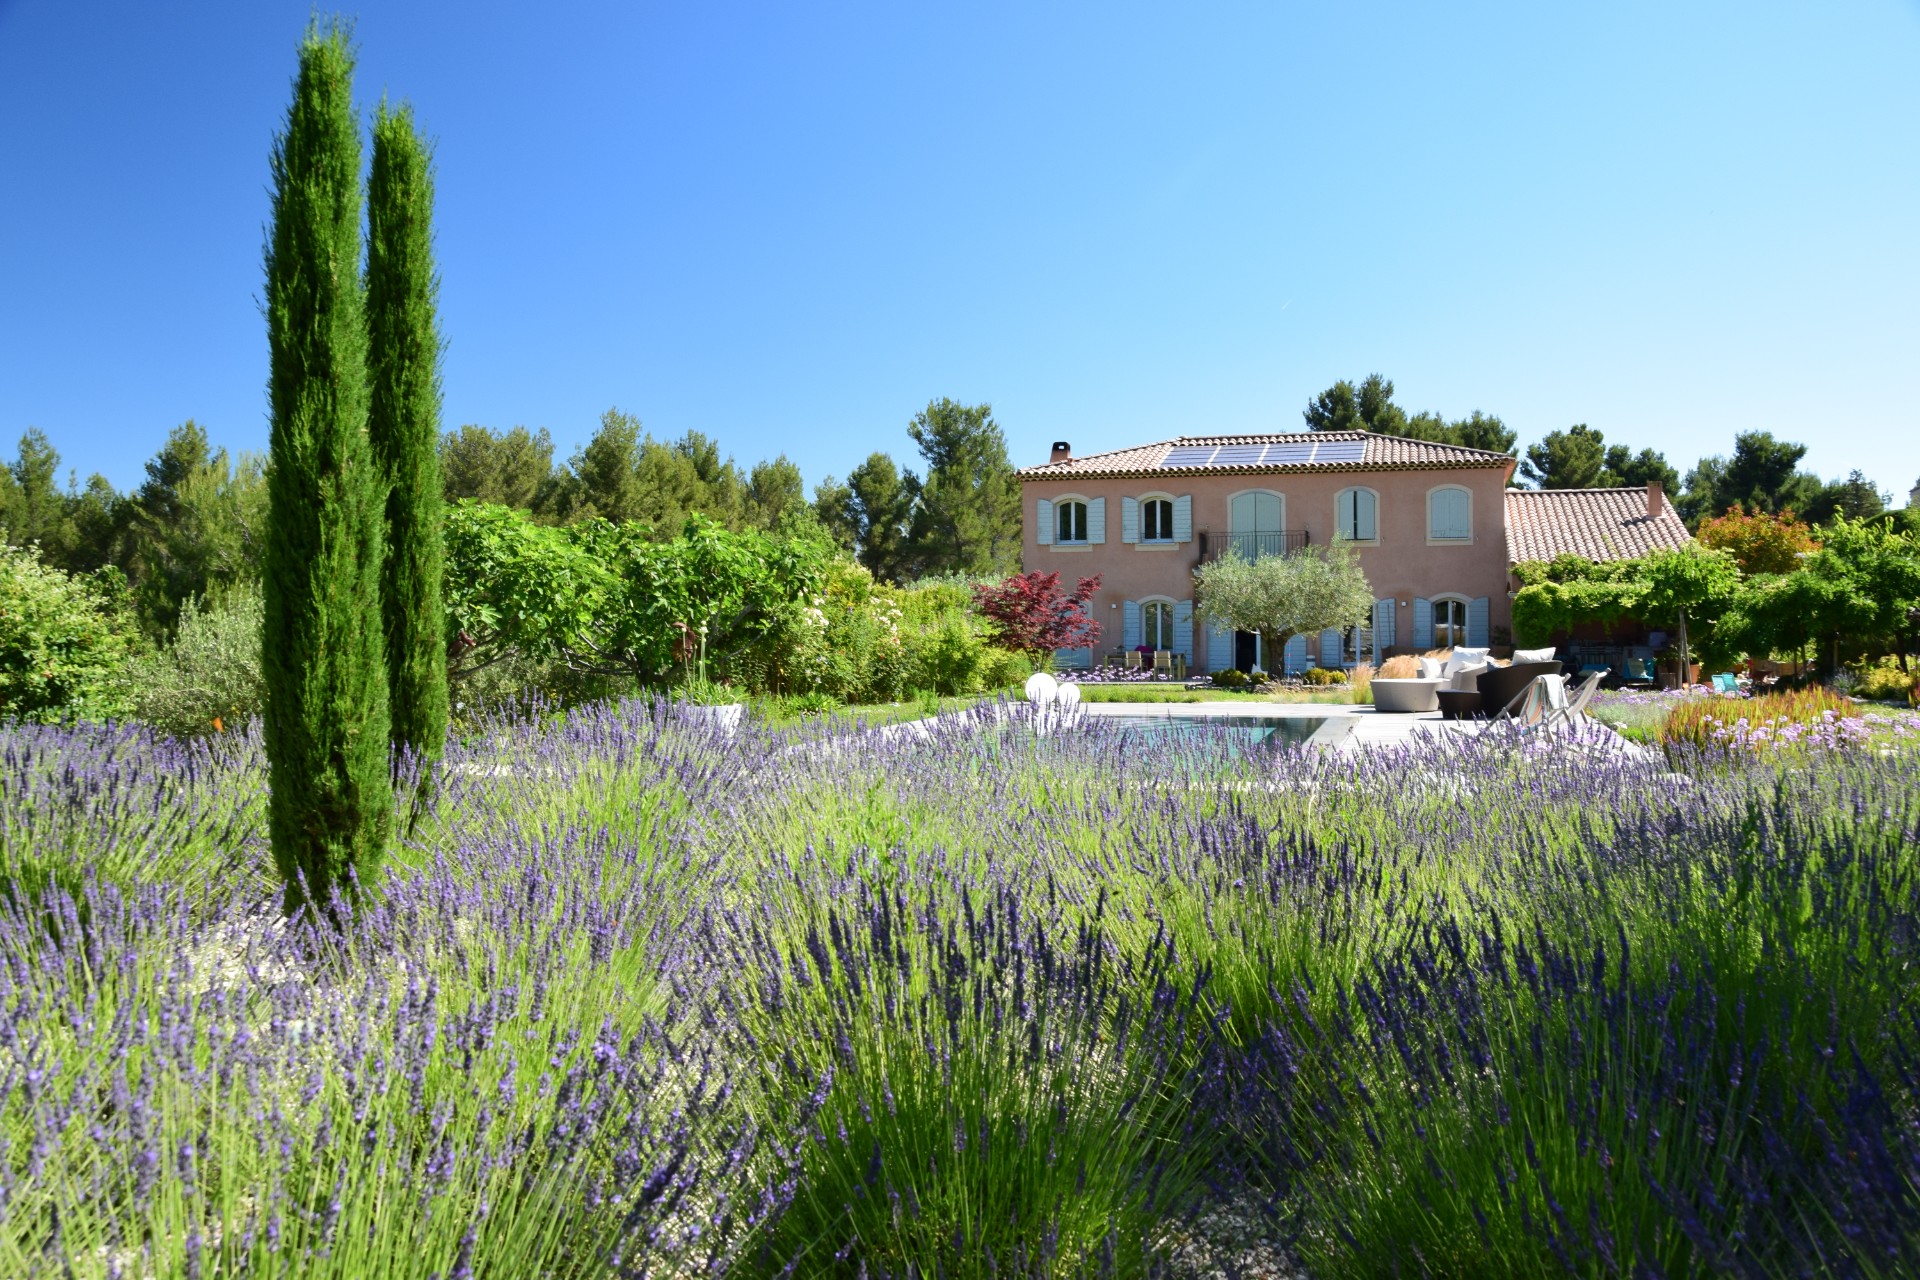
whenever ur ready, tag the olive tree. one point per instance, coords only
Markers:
(1280, 597)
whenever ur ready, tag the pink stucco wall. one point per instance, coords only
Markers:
(1401, 563)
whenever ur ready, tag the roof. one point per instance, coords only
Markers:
(1380, 453)
(1599, 524)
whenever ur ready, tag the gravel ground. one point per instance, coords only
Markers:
(1232, 1241)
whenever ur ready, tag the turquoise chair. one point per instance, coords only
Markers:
(1724, 682)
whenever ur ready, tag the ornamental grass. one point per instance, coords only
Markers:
(1763, 720)
(640, 996)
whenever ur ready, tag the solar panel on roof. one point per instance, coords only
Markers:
(1340, 451)
(1188, 455)
(1237, 455)
(1288, 454)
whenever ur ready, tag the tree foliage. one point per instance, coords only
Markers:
(513, 468)
(1280, 597)
(331, 803)
(611, 599)
(66, 640)
(1034, 615)
(967, 517)
(1759, 541)
(403, 424)
(1581, 458)
(1370, 407)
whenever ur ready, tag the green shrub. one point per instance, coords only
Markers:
(209, 678)
(949, 658)
(66, 641)
(1005, 669)
(1230, 679)
(1885, 682)
(1324, 676)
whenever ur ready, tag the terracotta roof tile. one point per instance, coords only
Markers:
(1382, 453)
(1600, 524)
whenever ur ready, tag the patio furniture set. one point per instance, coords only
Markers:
(1165, 664)
(1468, 684)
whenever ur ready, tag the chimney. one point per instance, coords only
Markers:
(1653, 499)
(1062, 452)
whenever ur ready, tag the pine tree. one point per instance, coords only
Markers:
(326, 716)
(403, 422)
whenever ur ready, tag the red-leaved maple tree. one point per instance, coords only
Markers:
(1034, 615)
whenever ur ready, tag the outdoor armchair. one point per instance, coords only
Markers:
(1501, 685)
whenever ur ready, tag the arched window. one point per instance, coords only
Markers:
(1156, 520)
(1256, 522)
(1449, 514)
(1356, 515)
(1070, 521)
(1156, 624)
(1449, 621)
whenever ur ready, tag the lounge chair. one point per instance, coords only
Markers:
(1545, 702)
(1726, 682)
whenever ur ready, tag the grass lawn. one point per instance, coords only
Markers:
(634, 994)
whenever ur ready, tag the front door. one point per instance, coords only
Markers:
(1246, 651)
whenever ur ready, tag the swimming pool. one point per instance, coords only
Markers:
(1243, 732)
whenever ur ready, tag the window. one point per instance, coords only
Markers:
(1156, 624)
(1354, 515)
(1257, 512)
(1449, 623)
(1156, 520)
(1070, 521)
(1450, 515)
(1357, 645)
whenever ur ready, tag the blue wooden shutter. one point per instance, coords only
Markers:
(1422, 623)
(1183, 519)
(1183, 630)
(1097, 520)
(1330, 648)
(1382, 628)
(1129, 519)
(1130, 624)
(1477, 622)
(1045, 532)
(1294, 660)
(1219, 647)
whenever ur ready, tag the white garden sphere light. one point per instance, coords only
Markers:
(1042, 688)
(1068, 696)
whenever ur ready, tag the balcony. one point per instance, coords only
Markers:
(1251, 546)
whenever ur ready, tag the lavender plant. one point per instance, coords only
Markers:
(645, 993)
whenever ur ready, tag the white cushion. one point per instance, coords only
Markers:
(1465, 657)
(1430, 669)
(1534, 655)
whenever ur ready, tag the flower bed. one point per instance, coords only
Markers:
(642, 994)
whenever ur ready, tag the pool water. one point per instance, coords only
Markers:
(1246, 732)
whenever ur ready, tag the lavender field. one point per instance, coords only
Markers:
(638, 997)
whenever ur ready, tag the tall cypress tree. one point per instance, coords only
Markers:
(403, 420)
(326, 716)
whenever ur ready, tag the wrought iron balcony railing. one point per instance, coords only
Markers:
(1251, 546)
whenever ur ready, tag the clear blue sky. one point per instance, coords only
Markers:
(789, 226)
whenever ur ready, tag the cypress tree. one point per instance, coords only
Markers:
(403, 421)
(326, 714)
